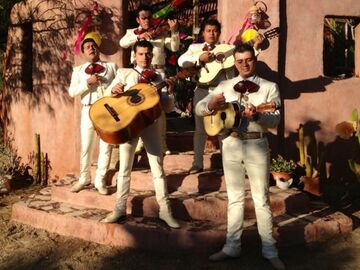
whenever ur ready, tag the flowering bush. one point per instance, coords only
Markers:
(282, 165)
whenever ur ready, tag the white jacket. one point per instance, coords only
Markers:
(79, 86)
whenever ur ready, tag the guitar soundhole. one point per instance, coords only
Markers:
(220, 57)
(223, 116)
(136, 99)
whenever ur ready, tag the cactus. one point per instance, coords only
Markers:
(301, 145)
(307, 153)
(346, 131)
(37, 167)
(355, 120)
(355, 167)
(308, 166)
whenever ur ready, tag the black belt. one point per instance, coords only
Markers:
(202, 86)
(248, 135)
(158, 66)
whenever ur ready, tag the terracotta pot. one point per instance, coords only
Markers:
(283, 176)
(311, 185)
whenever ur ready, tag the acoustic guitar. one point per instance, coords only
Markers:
(223, 59)
(120, 118)
(230, 117)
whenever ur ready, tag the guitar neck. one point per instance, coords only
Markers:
(267, 107)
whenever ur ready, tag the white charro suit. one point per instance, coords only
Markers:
(89, 94)
(152, 142)
(188, 59)
(250, 157)
(172, 43)
(158, 61)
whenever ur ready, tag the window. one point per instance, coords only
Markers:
(339, 46)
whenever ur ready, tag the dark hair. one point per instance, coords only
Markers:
(143, 8)
(143, 44)
(212, 22)
(244, 48)
(87, 40)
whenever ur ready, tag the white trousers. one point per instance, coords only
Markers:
(251, 157)
(200, 133)
(162, 123)
(152, 143)
(88, 139)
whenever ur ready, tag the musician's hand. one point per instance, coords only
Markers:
(94, 80)
(146, 35)
(170, 85)
(207, 57)
(173, 24)
(250, 112)
(217, 102)
(258, 41)
(118, 88)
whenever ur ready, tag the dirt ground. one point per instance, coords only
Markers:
(23, 247)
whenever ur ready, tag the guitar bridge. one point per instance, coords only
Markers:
(112, 112)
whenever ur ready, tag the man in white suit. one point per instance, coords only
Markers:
(197, 55)
(125, 79)
(245, 151)
(89, 81)
(160, 41)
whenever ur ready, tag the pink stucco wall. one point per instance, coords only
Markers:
(47, 109)
(308, 96)
(294, 60)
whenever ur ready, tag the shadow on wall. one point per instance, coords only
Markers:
(39, 56)
(290, 89)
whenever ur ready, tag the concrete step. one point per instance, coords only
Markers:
(149, 233)
(185, 205)
(175, 162)
(207, 181)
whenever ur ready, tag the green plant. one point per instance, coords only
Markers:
(10, 163)
(282, 165)
(347, 130)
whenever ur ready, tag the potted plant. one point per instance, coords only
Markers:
(309, 161)
(282, 171)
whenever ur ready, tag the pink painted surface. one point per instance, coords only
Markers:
(297, 54)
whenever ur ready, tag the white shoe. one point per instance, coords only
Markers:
(139, 147)
(114, 216)
(276, 263)
(103, 190)
(169, 220)
(221, 256)
(79, 186)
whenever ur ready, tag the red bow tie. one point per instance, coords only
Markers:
(94, 69)
(246, 86)
(208, 47)
(147, 76)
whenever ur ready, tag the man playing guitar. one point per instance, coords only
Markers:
(200, 55)
(159, 40)
(151, 136)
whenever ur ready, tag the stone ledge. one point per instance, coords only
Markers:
(185, 206)
(150, 233)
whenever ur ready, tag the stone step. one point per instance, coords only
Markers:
(207, 181)
(185, 205)
(176, 162)
(150, 233)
